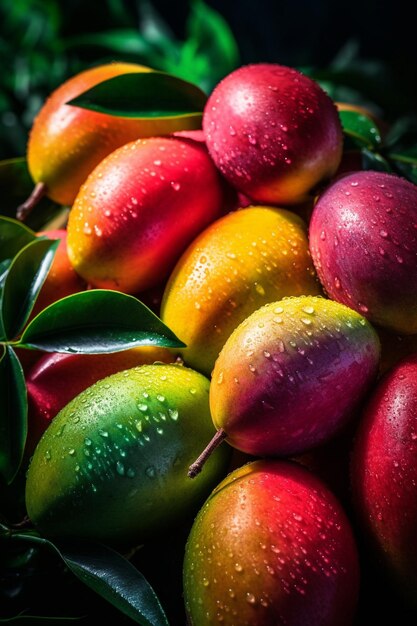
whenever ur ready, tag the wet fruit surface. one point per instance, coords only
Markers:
(67, 142)
(384, 473)
(273, 133)
(242, 261)
(363, 240)
(271, 546)
(118, 453)
(289, 376)
(58, 378)
(139, 209)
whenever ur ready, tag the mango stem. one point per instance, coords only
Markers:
(28, 205)
(197, 466)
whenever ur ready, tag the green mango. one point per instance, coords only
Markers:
(112, 466)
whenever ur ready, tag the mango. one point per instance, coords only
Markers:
(363, 240)
(56, 379)
(112, 464)
(139, 209)
(384, 475)
(67, 142)
(273, 133)
(290, 376)
(240, 262)
(271, 546)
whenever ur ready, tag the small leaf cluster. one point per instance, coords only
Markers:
(91, 322)
(394, 151)
(42, 47)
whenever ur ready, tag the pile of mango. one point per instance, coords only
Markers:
(292, 282)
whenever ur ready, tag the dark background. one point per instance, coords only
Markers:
(40, 47)
(304, 32)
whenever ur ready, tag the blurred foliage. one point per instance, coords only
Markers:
(42, 44)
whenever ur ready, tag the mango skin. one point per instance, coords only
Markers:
(139, 209)
(363, 240)
(271, 546)
(67, 142)
(384, 474)
(240, 262)
(273, 133)
(112, 465)
(56, 379)
(289, 377)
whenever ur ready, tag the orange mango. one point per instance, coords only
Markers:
(67, 142)
(242, 261)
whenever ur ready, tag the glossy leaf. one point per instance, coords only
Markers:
(110, 575)
(143, 95)
(97, 321)
(16, 185)
(13, 414)
(360, 128)
(23, 282)
(13, 237)
(4, 268)
(374, 161)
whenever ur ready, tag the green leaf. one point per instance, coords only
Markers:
(13, 414)
(13, 237)
(143, 95)
(404, 164)
(210, 45)
(23, 282)
(15, 187)
(402, 134)
(4, 268)
(110, 575)
(123, 41)
(157, 31)
(374, 161)
(405, 156)
(370, 80)
(361, 128)
(97, 321)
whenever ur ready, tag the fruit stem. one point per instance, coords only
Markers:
(197, 466)
(28, 205)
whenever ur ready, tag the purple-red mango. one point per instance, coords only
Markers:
(384, 473)
(273, 133)
(363, 240)
(290, 375)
